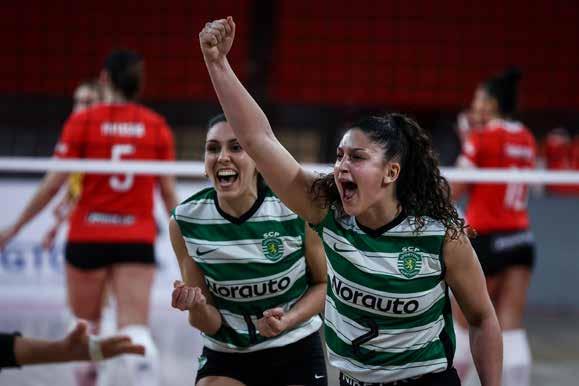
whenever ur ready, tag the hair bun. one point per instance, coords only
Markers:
(512, 74)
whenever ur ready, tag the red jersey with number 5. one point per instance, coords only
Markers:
(499, 207)
(115, 208)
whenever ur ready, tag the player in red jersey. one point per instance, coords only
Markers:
(498, 213)
(112, 228)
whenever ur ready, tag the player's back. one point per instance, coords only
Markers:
(500, 207)
(115, 208)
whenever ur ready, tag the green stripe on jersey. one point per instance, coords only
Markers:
(391, 284)
(250, 265)
(432, 351)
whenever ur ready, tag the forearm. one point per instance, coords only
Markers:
(310, 304)
(168, 194)
(243, 113)
(206, 319)
(458, 190)
(32, 351)
(47, 190)
(487, 350)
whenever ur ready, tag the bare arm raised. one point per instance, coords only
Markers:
(286, 177)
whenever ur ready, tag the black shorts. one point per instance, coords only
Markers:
(445, 378)
(501, 250)
(299, 363)
(100, 255)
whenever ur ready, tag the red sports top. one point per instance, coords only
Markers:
(115, 208)
(499, 207)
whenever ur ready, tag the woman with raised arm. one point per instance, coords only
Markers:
(393, 240)
(254, 273)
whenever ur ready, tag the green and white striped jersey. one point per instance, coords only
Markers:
(250, 264)
(388, 311)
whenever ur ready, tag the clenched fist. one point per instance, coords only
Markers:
(273, 323)
(216, 39)
(186, 298)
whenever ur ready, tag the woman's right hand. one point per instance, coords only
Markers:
(186, 298)
(216, 39)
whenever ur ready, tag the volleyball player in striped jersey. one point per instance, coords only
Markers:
(254, 275)
(394, 241)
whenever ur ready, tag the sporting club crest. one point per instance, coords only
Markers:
(272, 246)
(409, 263)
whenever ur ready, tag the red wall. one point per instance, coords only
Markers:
(47, 47)
(424, 53)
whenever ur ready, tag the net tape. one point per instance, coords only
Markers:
(196, 169)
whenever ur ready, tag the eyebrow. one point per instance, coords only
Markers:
(353, 148)
(216, 141)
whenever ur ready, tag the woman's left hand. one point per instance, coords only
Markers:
(273, 323)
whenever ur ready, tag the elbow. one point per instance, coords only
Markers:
(205, 328)
(485, 320)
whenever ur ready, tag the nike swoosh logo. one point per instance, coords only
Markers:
(342, 250)
(201, 253)
(319, 376)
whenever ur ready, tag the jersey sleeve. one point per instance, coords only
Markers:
(70, 142)
(471, 149)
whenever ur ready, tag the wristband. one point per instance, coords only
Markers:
(94, 349)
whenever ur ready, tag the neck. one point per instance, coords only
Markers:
(112, 96)
(238, 206)
(380, 214)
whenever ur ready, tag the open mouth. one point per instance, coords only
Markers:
(349, 189)
(226, 177)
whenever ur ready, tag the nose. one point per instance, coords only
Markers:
(341, 165)
(223, 156)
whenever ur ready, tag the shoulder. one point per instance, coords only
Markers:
(411, 226)
(146, 114)
(274, 208)
(189, 205)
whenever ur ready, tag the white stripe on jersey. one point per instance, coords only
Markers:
(375, 262)
(237, 251)
(425, 299)
(204, 212)
(299, 332)
(405, 229)
(294, 273)
(389, 340)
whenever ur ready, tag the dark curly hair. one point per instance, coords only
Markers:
(420, 189)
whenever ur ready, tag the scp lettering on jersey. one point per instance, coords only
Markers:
(251, 291)
(367, 300)
(123, 129)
